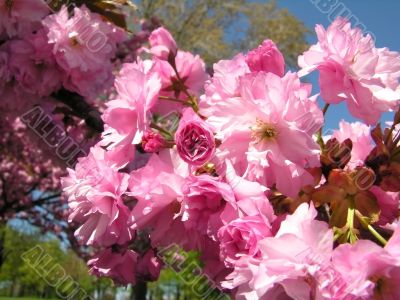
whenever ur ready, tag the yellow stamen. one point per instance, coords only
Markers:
(73, 37)
(263, 131)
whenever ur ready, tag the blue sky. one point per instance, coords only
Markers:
(381, 17)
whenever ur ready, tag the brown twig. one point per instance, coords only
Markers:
(81, 109)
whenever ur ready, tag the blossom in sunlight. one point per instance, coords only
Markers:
(266, 57)
(293, 260)
(95, 191)
(192, 73)
(360, 135)
(162, 44)
(241, 236)
(266, 131)
(204, 198)
(157, 189)
(127, 117)
(369, 270)
(353, 70)
(194, 139)
(230, 173)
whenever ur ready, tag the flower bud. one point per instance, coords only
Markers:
(162, 44)
(266, 57)
(194, 139)
(152, 141)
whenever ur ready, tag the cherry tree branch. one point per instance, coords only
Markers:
(81, 109)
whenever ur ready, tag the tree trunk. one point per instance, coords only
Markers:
(16, 287)
(139, 291)
(2, 238)
(1, 250)
(178, 292)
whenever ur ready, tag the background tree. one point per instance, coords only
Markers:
(26, 281)
(216, 29)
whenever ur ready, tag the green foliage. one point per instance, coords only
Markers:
(36, 266)
(15, 243)
(183, 278)
(218, 29)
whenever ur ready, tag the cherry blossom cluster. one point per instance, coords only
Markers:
(44, 51)
(58, 63)
(235, 165)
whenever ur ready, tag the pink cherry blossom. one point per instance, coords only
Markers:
(157, 189)
(89, 84)
(353, 70)
(118, 266)
(163, 45)
(251, 199)
(127, 117)
(268, 130)
(360, 135)
(194, 139)
(370, 271)
(235, 174)
(148, 267)
(393, 245)
(95, 198)
(266, 57)
(152, 141)
(84, 41)
(32, 64)
(291, 259)
(389, 203)
(20, 17)
(83, 46)
(241, 237)
(224, 84)
(192, 71)
(204, 198)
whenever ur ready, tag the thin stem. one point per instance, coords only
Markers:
(325, 109)
(320, 140)
(350, 217)
(351, 236)
(155, 126)
(171, 99)
(173, 65)
(57, 195)
(371, 229)
(188, 103)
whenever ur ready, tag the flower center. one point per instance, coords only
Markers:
(196, 145)
(263, 131)
(73, 38)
